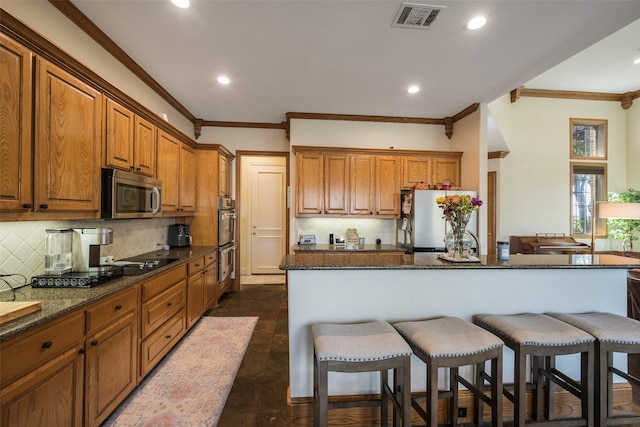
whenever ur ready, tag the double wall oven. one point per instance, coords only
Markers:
(227, 219)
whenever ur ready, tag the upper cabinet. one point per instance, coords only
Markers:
(446, 169)
(309, 184)
(16, 70)
(176, 170)
(387, 193)
(224, 171)
(431, 169)
(68, 136)
(130, 141)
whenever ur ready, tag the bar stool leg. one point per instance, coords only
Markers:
(520, 377)
(479, 383)
(586, 384)
(432, 393)
(496, 391)
(323, 395)
(453, 387)
(384, 401)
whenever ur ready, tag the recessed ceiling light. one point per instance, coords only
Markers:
(476, 22)
(224, 80)
(413, 89)
(181, 3)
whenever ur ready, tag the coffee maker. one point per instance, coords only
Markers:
(179, 235)
(86, 248)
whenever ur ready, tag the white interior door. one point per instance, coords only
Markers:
(268, 184)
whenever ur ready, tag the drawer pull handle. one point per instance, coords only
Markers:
(27, 206)
(94, 343)
(168, 337)
(47, 344)
(118, 307)
(44, 206)
(81, 351)
(169, 304)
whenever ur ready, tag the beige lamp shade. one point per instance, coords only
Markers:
(619, 210)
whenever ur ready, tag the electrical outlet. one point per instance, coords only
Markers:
(462, 412)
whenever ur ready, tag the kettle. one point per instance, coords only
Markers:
(179, 235)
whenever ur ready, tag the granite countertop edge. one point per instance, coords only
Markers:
(57, 302)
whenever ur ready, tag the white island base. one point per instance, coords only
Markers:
(400, 294)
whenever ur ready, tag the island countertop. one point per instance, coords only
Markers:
(343, 249)
(427, 261)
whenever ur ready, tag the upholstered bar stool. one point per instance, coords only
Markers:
(543, 338)
(362, 347)
(613, 334)
(450, 342)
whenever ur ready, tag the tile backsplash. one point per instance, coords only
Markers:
(22, 243)
(369, 228)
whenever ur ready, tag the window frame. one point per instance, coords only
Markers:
(601, 230)
(590, 122)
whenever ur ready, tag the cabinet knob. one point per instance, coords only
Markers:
(168, 337)
(94, 343)
(47, 344)
(138, 169)
(44, 206)
(169, 304)
(82, 351)
(118, 307)
(27, 206)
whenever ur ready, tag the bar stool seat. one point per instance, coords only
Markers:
(450, 342)
(543, 338)
(362, 347)
(613, 334)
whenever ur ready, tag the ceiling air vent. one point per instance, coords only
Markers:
(413, 15)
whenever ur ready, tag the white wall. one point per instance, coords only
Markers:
(533, 180)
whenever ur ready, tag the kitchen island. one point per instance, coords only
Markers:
(425, 286)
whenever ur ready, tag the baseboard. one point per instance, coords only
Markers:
(566, 405)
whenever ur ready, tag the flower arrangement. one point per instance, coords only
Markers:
(457, 210)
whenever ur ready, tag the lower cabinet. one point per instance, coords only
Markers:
(210, 273)
(161, 341)
(195, 291)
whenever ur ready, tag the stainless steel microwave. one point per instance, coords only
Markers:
(129, 195)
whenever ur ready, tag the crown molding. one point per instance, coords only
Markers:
(625, 99)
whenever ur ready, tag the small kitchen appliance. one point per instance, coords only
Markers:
(58, 254)
(227, 218)
(87, 270)
(307, 239)
(179, 235)
(130, 195)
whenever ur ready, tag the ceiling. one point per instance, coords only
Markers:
(344, 57)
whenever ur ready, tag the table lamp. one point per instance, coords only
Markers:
(619, 210)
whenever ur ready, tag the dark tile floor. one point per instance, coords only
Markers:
(258, 397)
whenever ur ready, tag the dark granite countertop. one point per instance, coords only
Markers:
(338, 248)
(426, 261)
(59, 301)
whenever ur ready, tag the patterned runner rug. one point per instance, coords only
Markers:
(191, 384)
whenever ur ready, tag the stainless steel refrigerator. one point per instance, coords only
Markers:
(422, 227)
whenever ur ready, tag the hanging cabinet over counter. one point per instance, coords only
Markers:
(334, 182)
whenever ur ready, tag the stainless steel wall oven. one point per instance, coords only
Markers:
(227, 219)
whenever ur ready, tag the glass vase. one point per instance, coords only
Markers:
(458, 244)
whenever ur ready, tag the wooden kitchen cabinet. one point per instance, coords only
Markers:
(111, 354)
(204, 227)
(224, 175)
(163, 318)
(176, 169)
(67, 163)
(130, 141)
(387, 192)
(42, 375)
(336, 184)
(16, 70)
(415, 170)
(195, 291)
(309, 183)
(446, 168)
(375, 185)
(362, 180)
(210, 273)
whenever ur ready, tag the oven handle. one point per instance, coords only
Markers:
(156, 208)
(234, 218)
(233, 263)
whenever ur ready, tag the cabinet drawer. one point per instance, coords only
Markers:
(110, 310)
(160, 342)
(32, 349)
(210, 258)
(195, 265)
(162, 307)
(158, 284)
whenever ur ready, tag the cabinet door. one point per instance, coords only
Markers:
(415, 169)
(119, 144)
(187, 179)
(144, 147)
(168, 171)
(224, 178)
(309, 185)
(387, 186)
(195, 298)
(336, 184)
(211, 283)
(204, 227)
(50, 395)
(362, 184)
(112, 356)
(68, 142)
(16, 68)
(446, 169)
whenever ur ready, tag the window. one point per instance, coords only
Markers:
(588, 186)
(588, 139)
